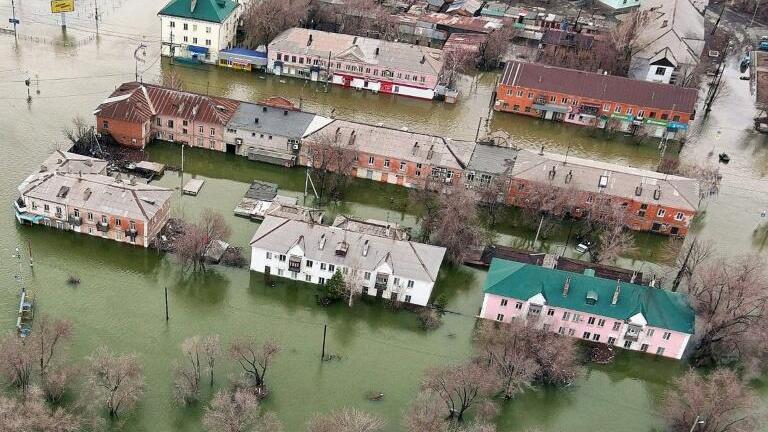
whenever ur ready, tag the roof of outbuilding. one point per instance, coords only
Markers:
(407, 259)
(276, 118)
(601, 87)
(661, 308)
(675, 25)
(203, 10)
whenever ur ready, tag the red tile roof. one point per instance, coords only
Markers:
(592, 85)
(137, 102)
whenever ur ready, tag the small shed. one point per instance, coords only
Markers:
(149, 168)
(193, 187)
(216, 251)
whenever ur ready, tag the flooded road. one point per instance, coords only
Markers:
(119, 301)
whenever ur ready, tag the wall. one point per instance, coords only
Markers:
(221, 36)
(190, 133)
(674, 347)
(663, 78)
(419, 293)
(126, 133)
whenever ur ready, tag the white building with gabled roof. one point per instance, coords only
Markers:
(384, 267)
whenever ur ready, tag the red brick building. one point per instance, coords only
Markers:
(136, 113)
(597, 100)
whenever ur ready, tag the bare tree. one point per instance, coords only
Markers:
(255, 360)
(709, 178)
(331, 162)
(721, 401)
(238, 411)
(187, 373)
(457, 225)
(17, 362)
(522, 355)
(116, 382)
(496, 46)
(608, 221)
(33, 414)
(263, 20)
(460, 386)
(456, 62)
(425, 205)
(172, 80)
(626, 36)
(601, 56)
(426, 413)
(357, 17)
(197, 238)
(493, 196)
(211, 349)
(47, 338)
(346, 420)
(689, 254)
(82, 137)
(730, 297)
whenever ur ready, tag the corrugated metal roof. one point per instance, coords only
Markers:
(601, 87)
(203, 10)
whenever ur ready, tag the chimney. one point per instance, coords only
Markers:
(285, 112)
(256, 120)
(354, 40)
(430, 152)
(566, 286)
(415, 148)
(352, 138)
(309, 42)
(322, 242)
(263, 109)
(616, 293)
(365, 248)
(541, 152)
(336, 137)
(423, 59)
(377, 51)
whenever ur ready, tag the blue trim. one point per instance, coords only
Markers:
(197, 49)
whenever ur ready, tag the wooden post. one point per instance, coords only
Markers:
(166, 303)
(325, 331)
(29, 247)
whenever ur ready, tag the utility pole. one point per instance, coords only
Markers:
(710, 99)
(138, 59)
(181, 186)
(757, 5)
(696, 422)
(325, 331)
(166, 304)
(683, 267)
(717, 23)
(96, 14)
(13, 20)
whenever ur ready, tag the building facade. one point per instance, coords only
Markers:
(384, 267)
(73, 192)
(136, 113)
(580, 305)
(357, 62)
(596, 100)
(198, 29)
(620, 5)
(390, 155)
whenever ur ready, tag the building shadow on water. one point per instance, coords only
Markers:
(207, 287)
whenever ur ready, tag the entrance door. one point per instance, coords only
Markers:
(379, 293)
(369, 174)
(232, 148)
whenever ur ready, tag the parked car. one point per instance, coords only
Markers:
(584, 246)
(763, 43)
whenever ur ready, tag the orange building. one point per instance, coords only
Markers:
(596, 100)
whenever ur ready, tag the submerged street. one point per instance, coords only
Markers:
(120, 299)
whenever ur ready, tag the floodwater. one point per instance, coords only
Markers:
(120, 300)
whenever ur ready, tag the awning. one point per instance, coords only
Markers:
(197, 49)
(550, 107)
(244, 56)
(29, 217)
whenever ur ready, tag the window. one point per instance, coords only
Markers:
(308, 278)
(386, 163)
(397, 281)
(194, 40)
(331, 267)
(367, 275)
(664, 116)
(661, 212)
(410, 284)
(90, 216)
(194, 27)
(607, 107)
(281, 258)
(629, 110)
(566, 316)
(321, 281)
(104, 219)
(586, 335)
(676, 118)
(576, 318)
(170, 123)
(527, 109)
(105, 124)
(666, 335)
(627, 344)
(46, 208)
(561, 330)
(504, 302)
(402, 166)
(611, 340)
(616, 325)
(213, 131)
(172, 24)
(650, 332)
(618, 109)
(118, 222)
(322, 266)
(679, 216)
(660, 71)
(200, 129)
(591, 320)
(269, 255)
(207, 29)
(519, 93)
(644, 347)
(518, 305)
(309, 263)
(212, 144)
(370, 160)
(185, 26)
(77, 212)
(407, 298)
(660, 351)
(571, 332)
(564, 100)
(551, 312)
(500, 317)
(208, 42)
(280, 272)
(530, 95)
(601, 322)
(641, 113)
(595, 337)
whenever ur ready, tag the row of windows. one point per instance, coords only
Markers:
(387, 162)
(194, 40)
(322, 280)
(330, 268)
(184, 123)
(185, 26)
(89, 215)
(350, 67)
(618, 109)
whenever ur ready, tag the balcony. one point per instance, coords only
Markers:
(294, 265)
(102, 226)
(75, 220)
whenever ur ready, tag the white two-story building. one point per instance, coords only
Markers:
(198, 29)
(378, 265)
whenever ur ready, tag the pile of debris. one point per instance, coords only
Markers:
(171, 232)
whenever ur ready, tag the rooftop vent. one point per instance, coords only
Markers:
(256, 120)
(285, 112)
(423, 59)
(322, 242)
(591, 297)
(352, 138)
(309, 42)
(552, 172)
(336, 136)
(87, 194)
(431, 151)
(341, 248)
(603, 182)
(569, 176)
(376, 51)
(566, 286)
(149, 201)
(63, 192)
(638, 190)
(415, 148)
(263, 109)
(365, 248)
(354, 40)
(616, 293)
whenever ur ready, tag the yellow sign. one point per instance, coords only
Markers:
(59, 6)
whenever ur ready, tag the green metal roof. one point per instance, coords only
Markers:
(204, 10)
(661, 308)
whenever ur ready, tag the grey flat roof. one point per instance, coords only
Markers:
(275, 121)
(492, 159)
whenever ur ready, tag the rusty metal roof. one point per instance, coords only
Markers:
(137, 102)
(609, 88)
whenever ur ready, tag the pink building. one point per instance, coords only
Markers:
(629, 316)
(357, 62)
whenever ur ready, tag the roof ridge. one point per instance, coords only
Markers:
(270, 231)
(418, 257)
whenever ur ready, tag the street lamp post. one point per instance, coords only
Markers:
(138, 59)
